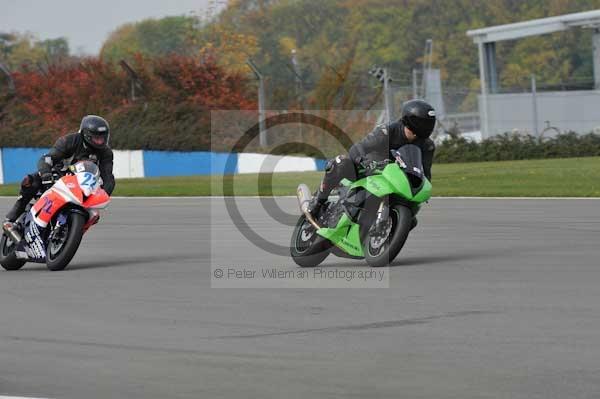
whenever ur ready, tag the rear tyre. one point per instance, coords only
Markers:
(62, 245)
(381, 251)
(8, 258)
(308, 249)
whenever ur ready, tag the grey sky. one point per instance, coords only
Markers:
(86, 23)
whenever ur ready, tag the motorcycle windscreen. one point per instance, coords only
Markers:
(410, 159)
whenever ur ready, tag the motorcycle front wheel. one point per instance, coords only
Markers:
(381, 250)
(64, 241)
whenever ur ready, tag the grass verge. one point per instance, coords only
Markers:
(568, 177)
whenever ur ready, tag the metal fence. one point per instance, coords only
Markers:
(527, 108)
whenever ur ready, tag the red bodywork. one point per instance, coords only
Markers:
(67, 190)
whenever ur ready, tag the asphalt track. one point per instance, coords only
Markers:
(490, 299)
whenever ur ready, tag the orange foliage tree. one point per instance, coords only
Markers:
(172, 111)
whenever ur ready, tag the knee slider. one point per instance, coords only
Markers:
(329, 165)
(27, 182)
(30, 185)
(335, 163)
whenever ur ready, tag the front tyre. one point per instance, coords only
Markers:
(8, 258)
(64, 242)
(382, 249)
(308, 249)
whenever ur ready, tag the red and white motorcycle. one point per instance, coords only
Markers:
(50, 230)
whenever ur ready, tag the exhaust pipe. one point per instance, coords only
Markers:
(9, 229)
(304, 197)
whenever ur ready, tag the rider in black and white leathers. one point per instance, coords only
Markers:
(414, 127)
(90, 143)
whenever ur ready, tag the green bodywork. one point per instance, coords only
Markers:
(345, 236)
(389, 181)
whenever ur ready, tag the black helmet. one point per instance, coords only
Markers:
(95, 131)
(419, 117)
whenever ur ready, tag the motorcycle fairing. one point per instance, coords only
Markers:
(32, 246)
(99, 200)
(64, 191)
(346, 235)
(80, 189)
(392, 180)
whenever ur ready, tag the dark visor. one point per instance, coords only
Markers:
(98, 140)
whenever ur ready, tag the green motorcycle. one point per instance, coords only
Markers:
(371, 218)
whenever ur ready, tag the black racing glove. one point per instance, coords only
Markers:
(47, 178)
(370, 166)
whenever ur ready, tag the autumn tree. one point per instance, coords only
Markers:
(151, 37)
(21, 49)
(173, 112)
(330, 35)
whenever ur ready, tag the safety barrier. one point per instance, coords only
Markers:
(17, 162)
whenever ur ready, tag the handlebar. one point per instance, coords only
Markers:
(377, 164)
(371, 166)
(50, 178)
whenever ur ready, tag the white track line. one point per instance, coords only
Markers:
(520, 198)
(433, 198)
(18, 397)
(293, 196)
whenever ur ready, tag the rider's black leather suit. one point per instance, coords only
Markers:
(67, 150)
(375, 146)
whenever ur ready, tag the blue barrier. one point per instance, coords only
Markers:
(17, 162)
(320, 164)
(168, 163)
(223, 163)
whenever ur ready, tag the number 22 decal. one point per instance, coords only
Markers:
(89, 180)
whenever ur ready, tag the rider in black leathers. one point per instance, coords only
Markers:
(90, 143)
(414, 127)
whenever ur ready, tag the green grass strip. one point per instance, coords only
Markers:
(569, 177)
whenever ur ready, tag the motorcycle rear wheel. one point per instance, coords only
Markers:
(308, 249)
(60, 253)
(8, 258)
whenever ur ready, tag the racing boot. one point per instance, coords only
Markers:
(17, 209)
(315, 205)
(9, 227)
(318, 200)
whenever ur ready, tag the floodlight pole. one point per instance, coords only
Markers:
(427, 55)
(414, 84)
(261, 104)
(484, 91)
(298, 87)
(389, 100)
(133, 77)
(596, 56)
(9, 78)
(534, 106)
(382, 75)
